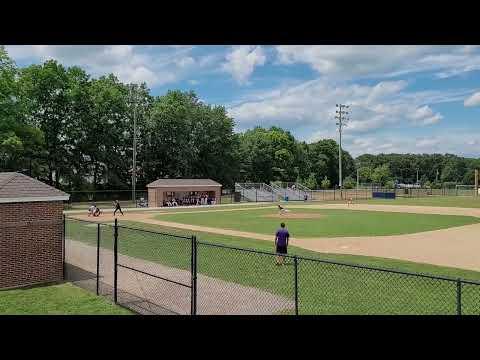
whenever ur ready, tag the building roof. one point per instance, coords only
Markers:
(16, 187)
(182, 182)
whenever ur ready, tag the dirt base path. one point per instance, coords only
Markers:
(454, 247)
(395, 208)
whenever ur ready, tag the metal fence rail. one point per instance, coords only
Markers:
(159, 273)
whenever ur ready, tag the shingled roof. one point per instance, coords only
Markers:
(15, 187)
(183, 182)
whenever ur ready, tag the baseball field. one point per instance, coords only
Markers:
(437, 240)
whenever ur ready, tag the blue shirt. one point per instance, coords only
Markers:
(282, 236)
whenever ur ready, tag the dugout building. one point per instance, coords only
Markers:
(166, 189)
(31, 231)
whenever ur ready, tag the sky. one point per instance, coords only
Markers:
(403, 99)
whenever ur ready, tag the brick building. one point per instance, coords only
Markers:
(31, 231)
(165, 189)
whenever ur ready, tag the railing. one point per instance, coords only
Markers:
(257, 192)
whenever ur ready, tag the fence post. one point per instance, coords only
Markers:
(194, 276)
(115, 261)
(295, 262)
(98, 257)
(459, 297)
(63, 246)
(256, 195)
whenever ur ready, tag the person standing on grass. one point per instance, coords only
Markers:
(281, 243)
(117, 208)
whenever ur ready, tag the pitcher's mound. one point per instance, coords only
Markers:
(294, 215)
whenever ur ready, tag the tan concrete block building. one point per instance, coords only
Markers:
(165, 189)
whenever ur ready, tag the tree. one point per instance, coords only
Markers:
(381, 174)
(20, 142)
(323, 158)
(44, 91)
(365, 174)
(454, 169)
(186, 138)
(349, 183)
(311, 182)
(325, 183)
(269, 155)
(389, 184)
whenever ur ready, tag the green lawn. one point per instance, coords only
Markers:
(448, 201)
(62, 299)
(323, 288)
(331, 223)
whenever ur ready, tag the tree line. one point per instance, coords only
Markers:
(75, 132)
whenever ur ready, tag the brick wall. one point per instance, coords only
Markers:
(31, 243)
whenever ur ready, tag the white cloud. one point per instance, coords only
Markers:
(425, 116)
(473, 100)
(313, 104)
(155, 65)
(439, 142)
(427, 142)
(242, 60)
(342, 61)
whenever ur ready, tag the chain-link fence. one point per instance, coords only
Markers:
(105, 198)
(89, 255)
(157, 268)
(159, 273)
(340, 194)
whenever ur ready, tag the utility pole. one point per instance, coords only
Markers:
(341, 119)
(134, 168)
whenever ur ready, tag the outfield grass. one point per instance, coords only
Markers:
(62, 299)
(323, 288)
(447, 201)
(330, 223)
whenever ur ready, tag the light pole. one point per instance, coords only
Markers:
(341, 123)
(134, 168)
